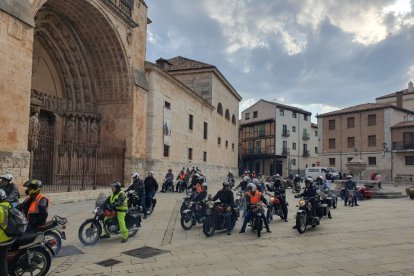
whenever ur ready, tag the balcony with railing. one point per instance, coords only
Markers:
(125, 8)
(306, 136)
(270, 150)
(306, 153)
(403, 146)
(285, 133)
(285, 151)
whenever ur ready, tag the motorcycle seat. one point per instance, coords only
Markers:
(25, 239)
(48, 225)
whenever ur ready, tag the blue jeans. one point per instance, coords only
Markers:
(249, 216)
(148, 198)
(142, 203)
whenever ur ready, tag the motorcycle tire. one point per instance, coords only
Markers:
(38, 253)
(269, 215)
(187, 221)
(258, 225)
(183, 207)
(209, 227)
(50, 235)
(301, 223)
(93, 224)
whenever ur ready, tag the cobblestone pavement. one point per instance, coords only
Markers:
(375, 238)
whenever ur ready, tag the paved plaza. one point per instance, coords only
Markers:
(375, 238)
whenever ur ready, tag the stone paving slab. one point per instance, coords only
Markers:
(373, 239)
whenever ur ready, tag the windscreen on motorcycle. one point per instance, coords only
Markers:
(101, 199)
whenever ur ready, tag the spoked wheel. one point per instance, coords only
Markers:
(301, 223)
(89, 232)
(187, 220)
(57, 244)
(209, 227)
(183, 207)
(35, 262)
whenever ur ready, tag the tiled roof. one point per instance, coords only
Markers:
(289, 107)
(181, 63)
(405, 92)
(404, 124)
(363, 107)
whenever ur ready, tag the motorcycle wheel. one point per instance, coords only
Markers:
(334, 202)
(182, 208)
(301, 223)
(209, 227)
(54, 236)
(258, 225)
(39, 265)
(187, 221)
(269, 215)
(89, 232)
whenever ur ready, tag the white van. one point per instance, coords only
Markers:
(314, 172)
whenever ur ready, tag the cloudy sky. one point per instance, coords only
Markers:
(319, 55)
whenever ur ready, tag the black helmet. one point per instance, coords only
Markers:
(33, 186)
(117, 186)
(201, 179)
(226, 184)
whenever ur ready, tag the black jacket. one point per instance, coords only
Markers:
(242, 185)
(350, 185)
(12, 193)
(138, 186)
(150, 184)
(200, 196)
(309, 192)
(225, 196)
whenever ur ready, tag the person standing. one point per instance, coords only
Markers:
(139, 187)
(151, 187)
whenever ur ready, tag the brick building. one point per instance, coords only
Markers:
(277, 138)
(363, 131)
(403, 98)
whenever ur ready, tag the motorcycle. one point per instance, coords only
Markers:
(231, 181)
(274, 207)
(193, 215)
(30, 254)
(330, 199)
(181, 186)
(187, 201)
(134, 201)
(306, 215)
(215, 218)
(240, 201)
(106, 219)
(168, 185)
(256, 220)
(54, 230)
(296, 187)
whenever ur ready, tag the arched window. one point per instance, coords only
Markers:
(233, 119)
(227, 114)
(220, 109)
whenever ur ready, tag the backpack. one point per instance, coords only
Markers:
(16, 222)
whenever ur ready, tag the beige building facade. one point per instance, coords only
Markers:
(361, 132)
(276, 138)
(403, 98)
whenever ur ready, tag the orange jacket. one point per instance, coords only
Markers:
(256, 198)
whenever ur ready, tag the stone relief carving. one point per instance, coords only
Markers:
(34, 128)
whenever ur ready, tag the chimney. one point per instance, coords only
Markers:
(399, 96)
(410, 87)
(163, 63)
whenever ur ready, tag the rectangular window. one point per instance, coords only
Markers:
(294, 162)
(372, 141)
(293, 129)
(190, 122)
(204, 156)
(372, 161)
(227, 144)
(247, 116)
(254, 114)
(232, 146)
(316, 149)
(408, 139)
(372, 120)
(250, 147)
(167, 105)
(331, 124)
(205, 130)
(351, 142)
(305, 117)
(294, 146)
(219, 140)
(190, 154)
(293, 114)
(262, 131)
(258, 146)
(166, 150)
(331, 162)
(316, 133)
(350, 122)
(409, 160)
(332, 143)
(282, 112)
(350, 159)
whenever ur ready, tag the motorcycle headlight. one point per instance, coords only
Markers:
(272, 199)
(301, 203)
(210, 204)
(95, 211)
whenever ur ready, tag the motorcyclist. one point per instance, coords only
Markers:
(350, 186)
(118, 201)
(230, 175)
(259, 185)
(319, 184)
(169, 178)
(297, 179)
(5, 241)
(12, 193)
(277, 182)
(269, 184)
(199, 184)
(243, 183)
(309, 192)
(253, 175)
(226, 196)
(139, 187)
(151, 187)
(253, 197)
(181, 180)
(35, 205)
(281, 192)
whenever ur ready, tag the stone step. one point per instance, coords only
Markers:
(387, 196)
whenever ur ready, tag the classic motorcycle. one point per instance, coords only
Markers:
(240, 201)
(330, 199)
(274, 207)
(168, 185)
(215, 218)
(105, 218)
(134, 201)
(30, 254)
(296, 187)
(194, 214)
(256, 220)
(54, 230)
(306, 215)
(181, 186)
(187, 201)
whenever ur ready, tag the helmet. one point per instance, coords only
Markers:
(255, 181)
(196, 175)
(116, 185)
(33, 186)
(150, 173)
(135, 174)
(202, 180)
(309, 180)
(254, 187)
(7, 176)
(229, 171)
(3, 195)
(297, 175)
(226, 184)
(319, 177)
(246, 178)
(349, 176)
(277, 175)
(204, 186)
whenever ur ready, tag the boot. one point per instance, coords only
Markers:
(105, 236)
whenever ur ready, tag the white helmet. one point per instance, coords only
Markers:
(256, 181)
(309, 180)
(135, 174)
(297, 175)
(349, 176)
(3, 195)
(7, 176)
(252, 187)
(246, 178)
(277, 175)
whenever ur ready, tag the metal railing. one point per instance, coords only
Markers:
(285, 133)
(306, 153)
(402, 146)
(259, 151)
(306, 136)
(285, 151)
